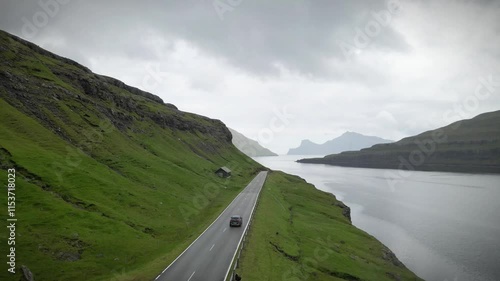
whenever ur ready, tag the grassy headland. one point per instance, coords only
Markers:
(301, 233)
(471, 146)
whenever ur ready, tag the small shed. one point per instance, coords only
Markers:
(223, 172)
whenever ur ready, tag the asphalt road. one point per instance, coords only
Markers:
(208, 258)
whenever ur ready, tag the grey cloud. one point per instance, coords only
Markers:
(254, 36)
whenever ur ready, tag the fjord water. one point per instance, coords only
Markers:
(443, 226)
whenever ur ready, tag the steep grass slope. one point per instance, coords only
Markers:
(112, 184)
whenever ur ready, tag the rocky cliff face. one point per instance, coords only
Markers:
(35, 80)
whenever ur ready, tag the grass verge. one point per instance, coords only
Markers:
(301, 233)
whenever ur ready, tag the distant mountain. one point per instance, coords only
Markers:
(347, 141)
(248, 146)
(471, 145)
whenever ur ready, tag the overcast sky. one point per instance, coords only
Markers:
(286, 70)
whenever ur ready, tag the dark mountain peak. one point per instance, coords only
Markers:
(349, 133)
(346, 141)
(306, 141)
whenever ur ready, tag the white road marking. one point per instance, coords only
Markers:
(224, 229)
(234, 200)
(191, 275)
(211, 247)
(246, 225)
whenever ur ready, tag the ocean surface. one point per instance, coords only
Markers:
(442, 226)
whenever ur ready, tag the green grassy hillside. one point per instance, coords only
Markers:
(301, 233)
(471, 145)
(112, 184)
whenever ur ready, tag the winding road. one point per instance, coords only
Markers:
(209, 257)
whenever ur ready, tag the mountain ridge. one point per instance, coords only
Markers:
(248, 146)
(346, 141)
(469, 145)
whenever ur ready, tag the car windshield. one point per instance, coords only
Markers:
(235, 217)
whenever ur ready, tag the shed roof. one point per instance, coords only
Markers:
(225, 169)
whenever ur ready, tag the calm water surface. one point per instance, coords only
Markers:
(443, 226)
